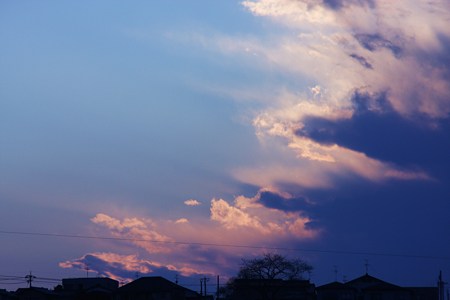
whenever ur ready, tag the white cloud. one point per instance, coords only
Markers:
(231, 217)
(327, 37)
(183, 246)
(192, 202)
(141, 232)
(182, 221)
(248, 213)
(367, 47)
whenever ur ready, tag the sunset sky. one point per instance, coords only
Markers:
(193, 134)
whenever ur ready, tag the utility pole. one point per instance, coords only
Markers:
(30, 278)
(203, 284)
(217, 292)
(441, 287)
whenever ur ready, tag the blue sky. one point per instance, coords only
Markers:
(315, 125)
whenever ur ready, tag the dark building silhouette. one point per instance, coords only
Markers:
(5, 295)
(100, 288)
(272, 289)
(365, 287)
(336, 291)
(35, 293)
(155, 288)
(368, 287)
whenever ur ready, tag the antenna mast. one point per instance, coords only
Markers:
(30, 278)
(366, 264)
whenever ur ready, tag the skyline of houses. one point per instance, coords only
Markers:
(365, 287)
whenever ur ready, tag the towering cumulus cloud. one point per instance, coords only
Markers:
(361, 58)
(363, 82)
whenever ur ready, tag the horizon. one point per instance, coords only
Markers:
(176, 138)
(53, 283)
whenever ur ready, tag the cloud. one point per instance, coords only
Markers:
(201, 245)
(182, 221)
(124, 268)
(314, 163)
(357, 68)
(346, 50)
(331, 34)
(232, 217)
(142, 232)
(263, 215)
(192, 202)
(404, 142)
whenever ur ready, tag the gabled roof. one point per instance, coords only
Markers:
(368, 282)
(152, 284)
(366, 278)
(335, 286)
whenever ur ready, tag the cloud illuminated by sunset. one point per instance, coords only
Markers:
(192, 202)
(345, 63)
(179, 244)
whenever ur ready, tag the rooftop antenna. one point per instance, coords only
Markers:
(176, 278)
(30, 278)
(366, 264)
(86, 267)
(335, 269)
(441, 287)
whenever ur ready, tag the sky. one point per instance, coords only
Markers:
(178, 137)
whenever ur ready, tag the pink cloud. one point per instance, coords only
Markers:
(232, 217)
(200, 246)
(124, 268)
(139, 231)
(251, 214)
(192, 202)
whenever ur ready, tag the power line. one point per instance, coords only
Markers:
(341, 252)
(10, 276)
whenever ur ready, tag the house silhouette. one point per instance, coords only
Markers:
(155, 288)
(367, 287)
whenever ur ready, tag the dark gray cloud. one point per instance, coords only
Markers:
(377, 130)
(274, 200)
(124, 269)
(437, 59)
(363, 61)
(374, 42)
(337, 4)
